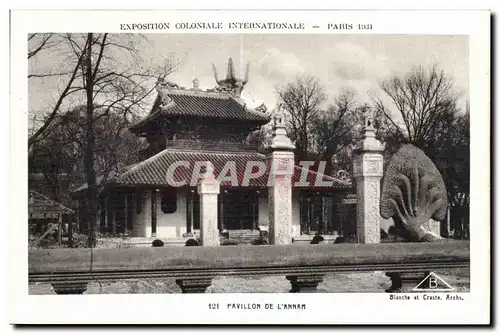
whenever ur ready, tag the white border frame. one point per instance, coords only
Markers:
(177, 308)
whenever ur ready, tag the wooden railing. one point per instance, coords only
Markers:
(68, 270)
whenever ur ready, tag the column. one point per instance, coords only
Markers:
(70, 233)
(189, 212)
(255, 212)
(153, 212)
(113, 214)
(208, 190)
(280, 161)
(191, 208)
(322, 223)
(126, 215)
(59, 229)
(220, 209)
(106, 208)
(368, 169)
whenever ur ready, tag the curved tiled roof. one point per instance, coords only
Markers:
(41, 204)
(204, 105)
(153, 171)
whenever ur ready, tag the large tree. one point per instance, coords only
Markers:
(418, 103)
(58, 158)
(105, 71)
(334, 130)
(302, 100)
(451, 154)
(423, 110)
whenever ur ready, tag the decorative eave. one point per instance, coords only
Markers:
(153, 171)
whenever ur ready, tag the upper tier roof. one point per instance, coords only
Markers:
(202, 104)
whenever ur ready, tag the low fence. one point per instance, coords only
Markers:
(68, 270)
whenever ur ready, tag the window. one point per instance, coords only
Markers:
(168, 201)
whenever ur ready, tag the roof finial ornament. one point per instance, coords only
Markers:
(368, 141)
(196, 84)
(280, 139)
(262, 108)
(231, 84)
(369, 118)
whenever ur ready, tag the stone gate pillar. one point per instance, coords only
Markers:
(280, 162)
(368, 170)
(208, 189)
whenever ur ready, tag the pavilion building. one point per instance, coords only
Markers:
(186, 129)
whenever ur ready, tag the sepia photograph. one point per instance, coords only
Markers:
(271, 166)
(244, 141)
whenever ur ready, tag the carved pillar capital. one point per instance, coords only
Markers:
(304, 283)
(194, 285)
(368, 164)
(70, 288)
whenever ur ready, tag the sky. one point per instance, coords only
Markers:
(358, 62)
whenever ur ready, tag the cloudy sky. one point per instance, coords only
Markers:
(356, 61)
(338, 61)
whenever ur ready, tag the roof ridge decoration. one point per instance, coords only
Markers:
(261, 108)
(163, 88)
(199, 93)
(231, 84)
(213, 152)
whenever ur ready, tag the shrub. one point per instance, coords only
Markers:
(227, 242)
(80, 240)
(192, 242)
(339, 240)
(261, 241)
(263, 238)
(157, 243)
(317, 239)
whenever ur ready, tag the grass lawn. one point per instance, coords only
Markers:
(355, 282)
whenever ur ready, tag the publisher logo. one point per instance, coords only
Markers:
(433, 282)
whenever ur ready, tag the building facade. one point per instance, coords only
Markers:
(190, 132)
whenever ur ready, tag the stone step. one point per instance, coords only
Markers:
(243, 236)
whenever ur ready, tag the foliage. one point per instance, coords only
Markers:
(317, 239)
(228, 242)
(302, 101)
(192, 242)
(157, 243)
(421, 100)
(263, 238)
(80, 240)
(60, 155)
(102, 84)
(424, 112)
(320, 130)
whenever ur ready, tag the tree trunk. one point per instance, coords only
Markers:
(91, 212)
